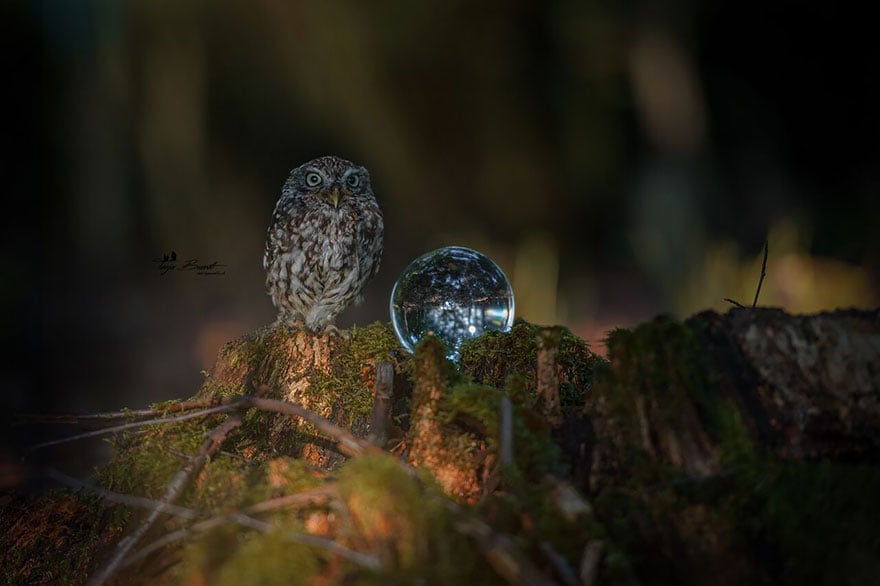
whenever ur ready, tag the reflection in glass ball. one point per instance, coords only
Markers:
(454, 292)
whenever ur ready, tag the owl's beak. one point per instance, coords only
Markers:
(333, 196)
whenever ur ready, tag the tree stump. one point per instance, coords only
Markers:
(736, 448)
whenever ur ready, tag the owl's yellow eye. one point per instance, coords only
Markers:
(353, 181)
(313, 179)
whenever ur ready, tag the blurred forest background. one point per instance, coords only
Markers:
(617, 161)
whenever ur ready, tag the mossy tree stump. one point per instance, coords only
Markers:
(737, 448)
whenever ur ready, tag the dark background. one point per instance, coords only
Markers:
(616, 162)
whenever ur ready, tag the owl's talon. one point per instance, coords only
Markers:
(332, 330)
(293, 324)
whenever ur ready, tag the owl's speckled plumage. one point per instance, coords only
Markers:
(324, 242)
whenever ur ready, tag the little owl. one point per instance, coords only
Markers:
(324, 243)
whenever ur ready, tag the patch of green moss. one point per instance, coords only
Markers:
(535, 453)
(495, 357)
(343, 393)
(390, 508)
(146, 462)
(231, 556)
(816, 520)
(825, 517)
(147, 459)
(347, 383)
(405, 518)
(663, 364)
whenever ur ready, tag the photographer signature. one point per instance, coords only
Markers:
(168, 262)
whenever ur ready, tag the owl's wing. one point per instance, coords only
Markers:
(370, 244)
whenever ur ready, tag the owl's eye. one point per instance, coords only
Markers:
(313, 179)
(353, 180)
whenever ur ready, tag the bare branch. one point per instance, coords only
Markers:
(763, 271)
(135, 424)
(175, 488)
(502, 554)
(731, 301)
(123, 499)
(548, 380)
(590, 562)
(76, 418)
(383, 391)
(348, 444)
(356, 557)
(306, 497)
(506, 431)
(559, 563)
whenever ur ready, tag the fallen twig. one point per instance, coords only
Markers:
(123, 499)
(760, 281)
(382, 393)
(243, 518)
(117, 428)
(348, 444)
(505, 423)
(548, 379)
(559, 563)
(502, 554)
(590, 562)
(175, 488)
(74, 418)
(763, 271)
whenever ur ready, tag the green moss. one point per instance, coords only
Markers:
(231, 556)
(496, 357)
(408, 522)
(147, 459)
(661, 364)
(815, 520)
(376, 341)
(535, 453)
(390, 508)
(825, 517)
(347, 384)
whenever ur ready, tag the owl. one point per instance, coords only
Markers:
(324, 242)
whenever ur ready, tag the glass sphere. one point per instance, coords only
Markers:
(453, 292)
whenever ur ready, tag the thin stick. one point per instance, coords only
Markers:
(559, 563)
(760, 281)
(126, 413)
(243, 518)
(356, 557)
(590, 562)
(506, 424)
(502, 554)
(297, 499)
(548, 380)
(123, 499)
(763, 271)
(347, 443)
(117, 428)
(381, 414)
(300, 498)
(175, 488)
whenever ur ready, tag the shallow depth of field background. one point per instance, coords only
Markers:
(617, 163)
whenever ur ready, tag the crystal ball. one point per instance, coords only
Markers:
(453, 292)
